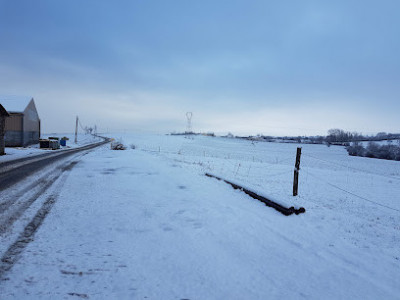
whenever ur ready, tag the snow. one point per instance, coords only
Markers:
(147, 224)
(15, 103)
(32, 150)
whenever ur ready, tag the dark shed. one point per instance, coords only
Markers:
(3, 115)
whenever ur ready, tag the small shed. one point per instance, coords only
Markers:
(3, 115)
(22, 128)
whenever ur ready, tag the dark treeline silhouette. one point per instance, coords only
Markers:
(351, 140)
(335, 137)
(341, 137)
(374, 150)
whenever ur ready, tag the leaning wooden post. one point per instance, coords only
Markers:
(296, 173)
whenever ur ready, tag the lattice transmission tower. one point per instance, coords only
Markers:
(189, 116)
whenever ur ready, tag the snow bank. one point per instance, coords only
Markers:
(147, 223)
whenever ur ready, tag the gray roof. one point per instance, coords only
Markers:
(15, 103)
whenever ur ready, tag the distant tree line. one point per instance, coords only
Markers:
(334, 137)
(374, 150)
(351, 140)
(341, 137)
(344, 138)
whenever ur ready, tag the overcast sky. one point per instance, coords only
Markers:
(248, 67)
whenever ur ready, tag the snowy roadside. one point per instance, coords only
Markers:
(133, 225)
(32, 150)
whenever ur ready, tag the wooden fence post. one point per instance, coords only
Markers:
(296, 173)
(76, 130)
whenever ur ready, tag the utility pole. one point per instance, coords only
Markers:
(296, 173)
(76, 130)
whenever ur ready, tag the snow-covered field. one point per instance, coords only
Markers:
(147, 224)
(18, 152)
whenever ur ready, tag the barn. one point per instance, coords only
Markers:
(22, 127)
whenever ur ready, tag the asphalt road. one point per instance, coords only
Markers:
(38, 175)
(12, 172)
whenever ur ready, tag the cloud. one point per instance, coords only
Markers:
(238, 65)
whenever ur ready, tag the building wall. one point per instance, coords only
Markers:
(14, 122)
(13, 138)
(13, 128)
(23, 129)
(31, 137)
(31, 118)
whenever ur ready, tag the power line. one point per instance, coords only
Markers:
(343, 190)
(351, 168)
(80, 124)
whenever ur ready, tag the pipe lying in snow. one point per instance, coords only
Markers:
(283, 210)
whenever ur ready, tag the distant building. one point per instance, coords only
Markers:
(22, 128)
(3, 115)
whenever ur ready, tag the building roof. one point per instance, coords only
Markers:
(15, 104)
(3, 112)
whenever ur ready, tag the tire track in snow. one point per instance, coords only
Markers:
(13, 253)
(12, 210)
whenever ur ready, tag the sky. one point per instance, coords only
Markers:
(290, 67)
